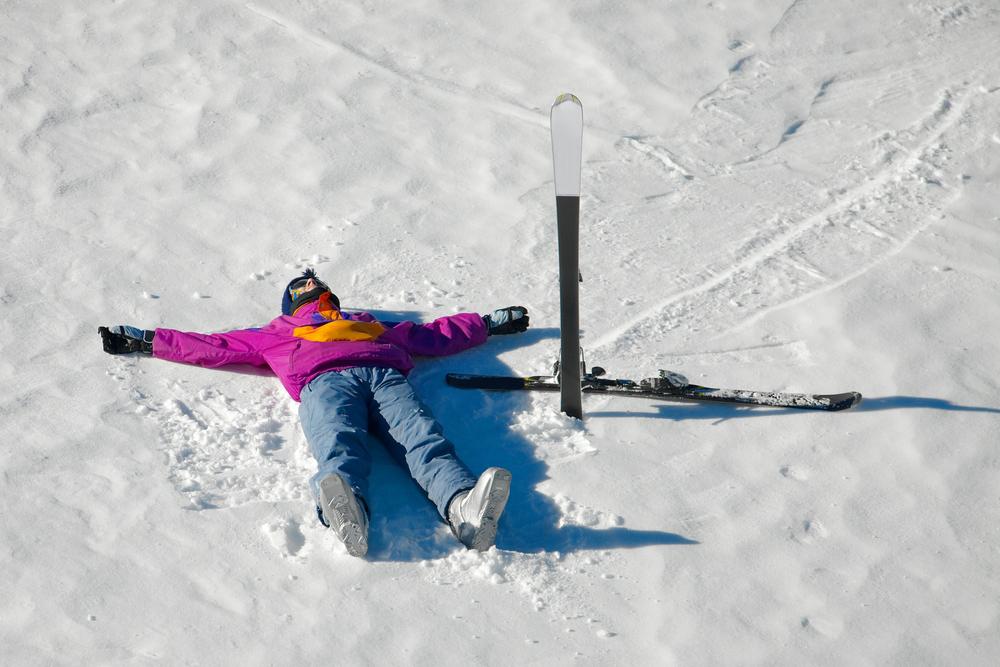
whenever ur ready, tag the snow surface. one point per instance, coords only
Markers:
(787, 196)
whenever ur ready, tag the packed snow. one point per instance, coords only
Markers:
(796, 196)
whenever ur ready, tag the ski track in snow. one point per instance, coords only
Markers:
(859, 228)
(418, 84)
(878, 200)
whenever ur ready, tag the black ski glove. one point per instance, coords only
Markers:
(512, 319)
(123, 339)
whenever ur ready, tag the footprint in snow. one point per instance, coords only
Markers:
(286, 536)
(794, 472)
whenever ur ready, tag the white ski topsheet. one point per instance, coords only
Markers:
(566, 120)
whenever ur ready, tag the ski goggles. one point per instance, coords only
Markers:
(301, 286)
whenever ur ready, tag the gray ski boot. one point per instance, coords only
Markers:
(474, 514)
(344, 513)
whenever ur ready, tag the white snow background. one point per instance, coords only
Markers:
(793, 196)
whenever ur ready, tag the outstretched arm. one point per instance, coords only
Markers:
(445, 335)
(455, 333)
(243, 346)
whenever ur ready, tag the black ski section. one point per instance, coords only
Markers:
(659, 389)
(568, 212)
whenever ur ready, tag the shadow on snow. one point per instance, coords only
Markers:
(405, 527)
(678, 410)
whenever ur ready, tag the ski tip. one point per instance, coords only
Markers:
(844, 401)
(567, 97)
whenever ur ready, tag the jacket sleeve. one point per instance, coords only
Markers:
(243, 346)
(443, 336)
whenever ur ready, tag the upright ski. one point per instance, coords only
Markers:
(668, 386)
(567, 155)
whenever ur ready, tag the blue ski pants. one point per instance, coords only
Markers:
(340, 408)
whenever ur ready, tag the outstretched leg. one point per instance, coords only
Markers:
(334, 415)
(413, 435)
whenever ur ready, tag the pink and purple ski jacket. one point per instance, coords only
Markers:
(320, 338)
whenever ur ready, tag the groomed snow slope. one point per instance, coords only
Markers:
(795, 197)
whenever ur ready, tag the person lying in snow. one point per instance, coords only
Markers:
(348, 371)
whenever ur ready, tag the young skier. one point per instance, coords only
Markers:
(348, 371)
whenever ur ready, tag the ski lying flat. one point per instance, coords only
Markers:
(669, 386)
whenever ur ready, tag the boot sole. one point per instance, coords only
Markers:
(344, 514)
(499, 491)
